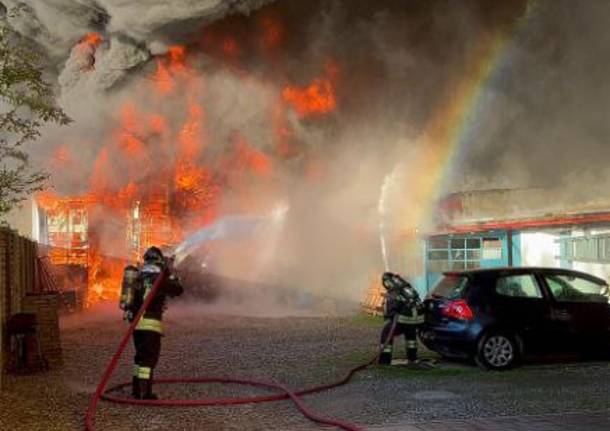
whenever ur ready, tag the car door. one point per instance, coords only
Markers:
(520, 305)
(580, 310)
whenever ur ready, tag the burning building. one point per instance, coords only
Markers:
(156, 176)
(186, 113)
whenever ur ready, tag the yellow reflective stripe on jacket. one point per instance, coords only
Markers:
(410, 320)
(154, 325)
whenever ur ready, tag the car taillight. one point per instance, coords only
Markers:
(458, 310)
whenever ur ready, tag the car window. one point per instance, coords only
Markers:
(519, 286)
(568, 288)
(451, 287)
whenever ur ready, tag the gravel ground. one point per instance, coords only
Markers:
(299, 351)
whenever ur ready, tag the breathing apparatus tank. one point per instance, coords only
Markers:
(128, 286)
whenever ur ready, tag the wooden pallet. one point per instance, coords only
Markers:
(374, 297)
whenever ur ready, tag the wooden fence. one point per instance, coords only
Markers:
(25, 288)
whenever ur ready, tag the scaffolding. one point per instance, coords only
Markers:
(149, 223)
(67, 230)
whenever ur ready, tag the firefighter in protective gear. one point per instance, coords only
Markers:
(401, 302)
(148, 331)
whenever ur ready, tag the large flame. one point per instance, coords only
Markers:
(153, 180)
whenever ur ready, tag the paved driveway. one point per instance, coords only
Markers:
(299, 351)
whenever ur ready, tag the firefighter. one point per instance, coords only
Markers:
(148, 331)
(401, 302)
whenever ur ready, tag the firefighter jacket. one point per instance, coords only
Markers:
(151, 320)
(408, 309)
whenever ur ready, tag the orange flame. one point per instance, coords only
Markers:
(249, 157)
(315, 99)
(156, 204)
(168, 66)
(93, 39)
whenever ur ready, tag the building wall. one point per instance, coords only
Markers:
(587, 249)
(539, 249)
(583, 248)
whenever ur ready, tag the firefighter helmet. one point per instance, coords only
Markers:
(387, 279)
(154, 256)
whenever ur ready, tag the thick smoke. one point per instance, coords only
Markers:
(392, 64)
(543, 119)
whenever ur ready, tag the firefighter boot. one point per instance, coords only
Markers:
(412, 351)
(385, 357)
(135, 388)
(147, 393)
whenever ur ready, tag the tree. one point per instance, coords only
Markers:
(26, 102)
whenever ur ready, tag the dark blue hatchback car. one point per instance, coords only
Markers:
(496, 316)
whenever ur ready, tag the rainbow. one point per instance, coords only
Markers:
(450, 129)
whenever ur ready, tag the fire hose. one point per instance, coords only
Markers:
(285, 392)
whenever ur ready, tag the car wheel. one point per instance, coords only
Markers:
(497, 351)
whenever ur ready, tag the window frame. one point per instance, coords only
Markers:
(543, 276)
(457, 258)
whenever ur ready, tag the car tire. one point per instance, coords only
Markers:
(498, 350)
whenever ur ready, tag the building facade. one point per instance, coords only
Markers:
(530, 227)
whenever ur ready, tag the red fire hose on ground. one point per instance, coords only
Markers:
(285, 392)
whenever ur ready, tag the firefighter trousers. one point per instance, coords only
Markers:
(148, 347)
(410, 334)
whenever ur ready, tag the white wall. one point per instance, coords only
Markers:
(601, 270)
(539, 249)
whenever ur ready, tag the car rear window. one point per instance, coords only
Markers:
(450, 287)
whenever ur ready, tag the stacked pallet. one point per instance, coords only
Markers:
(374, 297)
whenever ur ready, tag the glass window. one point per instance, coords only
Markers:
(438, 255)
(458, 254)
(570, 249)
(451, 287)
(492, 249)
(473, 264)
(592, 249)
(519, 286)
(606, 254)
(473, 243)
(473, 254)
(602, 248)
(567, 288)
(458, 243)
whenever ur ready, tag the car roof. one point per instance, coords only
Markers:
(526, 270)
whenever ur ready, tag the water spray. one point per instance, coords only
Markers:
(381, 208)
(231, 227)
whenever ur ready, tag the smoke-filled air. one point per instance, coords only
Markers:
(266, 140)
